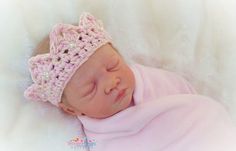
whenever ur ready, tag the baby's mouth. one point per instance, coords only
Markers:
(120, 95)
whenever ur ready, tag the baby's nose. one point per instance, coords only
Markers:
(111, 84)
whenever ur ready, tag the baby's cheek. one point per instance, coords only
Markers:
(76, 106)
(127, 73)
(130, 78)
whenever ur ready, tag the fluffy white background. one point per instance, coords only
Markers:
(196, 38)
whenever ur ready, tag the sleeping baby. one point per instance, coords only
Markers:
(123, 106)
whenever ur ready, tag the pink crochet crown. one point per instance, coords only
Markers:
(70, 47)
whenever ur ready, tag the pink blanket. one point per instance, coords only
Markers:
(167, 116)
(173, 123)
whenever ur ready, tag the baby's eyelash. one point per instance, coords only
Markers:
(92, 89)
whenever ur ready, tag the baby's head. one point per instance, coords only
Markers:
(77, 69)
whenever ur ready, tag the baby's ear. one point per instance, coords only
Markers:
(68, 109)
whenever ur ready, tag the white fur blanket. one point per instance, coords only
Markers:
(195, 38)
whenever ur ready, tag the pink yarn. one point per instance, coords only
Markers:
(70, 47)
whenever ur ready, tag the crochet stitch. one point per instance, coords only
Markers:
(70, 47)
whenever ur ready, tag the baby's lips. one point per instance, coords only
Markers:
(120, 94)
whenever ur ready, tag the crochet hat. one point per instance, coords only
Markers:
(70, 47)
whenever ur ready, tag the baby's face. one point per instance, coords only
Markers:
(96, 88)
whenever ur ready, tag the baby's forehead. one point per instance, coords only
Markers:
(100, 59)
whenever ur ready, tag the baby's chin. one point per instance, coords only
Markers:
(116, 108)
(127, 103)
(124, 104)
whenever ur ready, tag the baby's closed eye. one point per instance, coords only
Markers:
(89, 89)
(113, 66)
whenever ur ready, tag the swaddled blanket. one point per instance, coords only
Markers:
(173, 123)
(167, 116)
